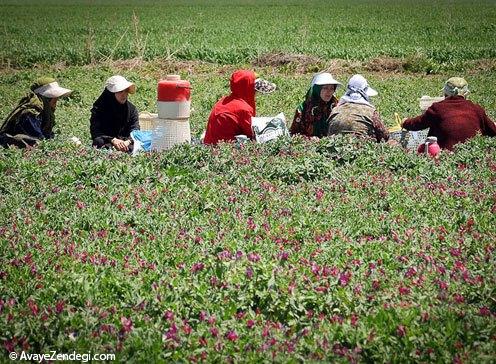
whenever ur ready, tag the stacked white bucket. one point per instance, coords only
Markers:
(172, 127)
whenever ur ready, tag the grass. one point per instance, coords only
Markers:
(322, 251)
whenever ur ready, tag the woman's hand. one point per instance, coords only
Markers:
(121, 145)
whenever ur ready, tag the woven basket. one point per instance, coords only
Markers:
(147, 120)
(167, 133)
(416, 138)
(408, 139)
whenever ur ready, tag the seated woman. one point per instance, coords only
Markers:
(232, 114)
(33, 118)
(311, 116)
(355, 114)
(455, 119)
(113, 116)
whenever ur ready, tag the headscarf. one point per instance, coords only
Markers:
(113, 117)
(32, 104)
(456, 86)
(315, 112)
(243, 87)
(358, 91)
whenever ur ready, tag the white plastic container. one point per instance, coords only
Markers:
(174, 109)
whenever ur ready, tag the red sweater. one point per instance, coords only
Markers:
(453, 120)
(232, 114)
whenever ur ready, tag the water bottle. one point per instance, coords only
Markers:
(430, 147)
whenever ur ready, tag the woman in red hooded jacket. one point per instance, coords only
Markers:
(232, 114)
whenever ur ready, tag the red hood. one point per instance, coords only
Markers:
(243, 87)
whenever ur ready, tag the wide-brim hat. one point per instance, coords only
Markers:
(359, 83)
(325, 78)
(52, 90)
(118, 83)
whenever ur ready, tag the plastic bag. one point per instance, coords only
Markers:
(142, 141)
(269, 128)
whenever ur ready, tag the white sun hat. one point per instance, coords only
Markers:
(52, 90)
(118, 83)
(324, 78)
(358, 83)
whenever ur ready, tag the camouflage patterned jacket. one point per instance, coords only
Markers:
(358, 119)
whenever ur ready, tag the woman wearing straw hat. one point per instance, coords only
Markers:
(355, 114)
(113, 116)
(33, 118)
(311, 115)
(455, 119)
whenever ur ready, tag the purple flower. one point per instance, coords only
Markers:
(127, 324)
(253, 257)
(232, 336)
(197, 267)
(169, 315)
(401, 331)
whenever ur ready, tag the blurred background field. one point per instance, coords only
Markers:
(443, 33)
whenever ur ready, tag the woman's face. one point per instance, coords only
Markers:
(53, 102)
(121, 96)
(326, 92)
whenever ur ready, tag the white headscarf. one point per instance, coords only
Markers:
(358, 91)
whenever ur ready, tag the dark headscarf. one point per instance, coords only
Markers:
(109, 117)
(30, 104)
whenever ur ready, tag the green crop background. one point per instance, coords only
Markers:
(331, 250)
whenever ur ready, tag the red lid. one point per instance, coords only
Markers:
(173, 89)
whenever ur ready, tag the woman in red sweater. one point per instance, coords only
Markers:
(232, 114)
(455, 119)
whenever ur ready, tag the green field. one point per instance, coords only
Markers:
(296, 251)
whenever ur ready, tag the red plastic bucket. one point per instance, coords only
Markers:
(173, 98)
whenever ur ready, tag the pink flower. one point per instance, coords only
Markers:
(401, 331)
(80, 205)
(232, 336)
(458, 298)
(59, 307)
(376, 284)
(484, 311)
(169, 315)
(186, 328)
(319, 194)
(253, 257)
(344, 278)
(250, 324)
(127, 324)
(250, 224)
(171, 334)
(211, 320)
(33, 307)
(411, 272)
(249, 272)
(214, 331)
(197, 267)
(455, 252)
(403, 290)
(354, 320)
